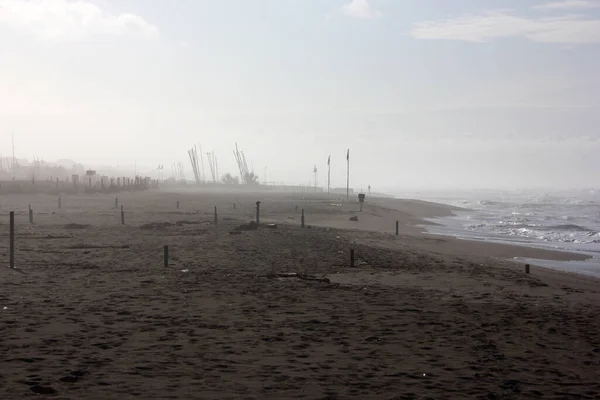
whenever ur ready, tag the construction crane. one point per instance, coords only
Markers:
(214, 167)
(246, 176)
(193, 154)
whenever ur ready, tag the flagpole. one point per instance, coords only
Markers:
(348, 175)
(329, 175)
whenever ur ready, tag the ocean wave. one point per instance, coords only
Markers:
(569, 227)
(493, 203)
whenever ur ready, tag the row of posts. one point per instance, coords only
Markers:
(124, 182)
(166, 248)
(302, 219)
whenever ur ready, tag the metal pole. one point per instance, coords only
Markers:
(257, 212)
(348, 175)
(11, 260)
(329, 176)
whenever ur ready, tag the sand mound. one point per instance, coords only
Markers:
(155, 225)
(249, 226)
(76, 226)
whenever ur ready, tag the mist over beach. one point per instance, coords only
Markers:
(317, 199)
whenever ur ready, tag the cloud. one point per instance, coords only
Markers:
(360, 9)
(569, 5)
(71, 19)
(503, 24)
(183, 44)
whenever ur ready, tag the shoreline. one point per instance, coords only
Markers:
(426, 211)
(566, 259)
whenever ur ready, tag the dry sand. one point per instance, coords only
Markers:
(92, 313)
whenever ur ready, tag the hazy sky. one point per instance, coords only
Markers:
(424, 92)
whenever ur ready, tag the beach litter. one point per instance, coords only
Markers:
(304, 277)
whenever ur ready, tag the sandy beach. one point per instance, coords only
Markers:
(277, 312)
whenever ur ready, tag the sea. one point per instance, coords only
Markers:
(566, 220)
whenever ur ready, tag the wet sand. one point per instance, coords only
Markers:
(278, 313)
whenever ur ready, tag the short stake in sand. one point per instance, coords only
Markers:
(527, 268)
(11, 259)
(116, 203)
(166, 256)
(234, 206)
(397, 228)
(258, 213)
(216, 217)
(30, 215)
(352, 257)
(122, 216)
(178, 204)
(302, 219)
(59, 202)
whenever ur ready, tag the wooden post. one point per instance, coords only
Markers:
(352, 257)
(216, 218)
(397, 228)
(302, 218)
(59, 202)
(296, 207)
(11, 259)
(57, 183)
(122, 216)
(257, 212)
(178, 204)
(166, 256)
(526, 268)
(234, 206)
(30, 215)
(90, 181)
(116, 202)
